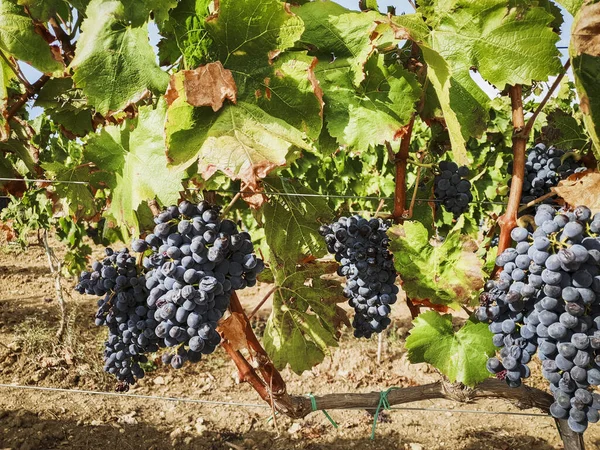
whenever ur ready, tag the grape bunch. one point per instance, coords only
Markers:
(195, 263)
(548, 298)
(123, 311)
(452, 189)
(544, 168)
(360, 246)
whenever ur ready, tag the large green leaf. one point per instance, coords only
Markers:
(301, 328)
(65, 105)
(461, 355)
(114, 63)
(584, 50)
(252, 32)
(246, 143)
(292, 219)
(564, 131)
(184, 34)
(132, 156)
(77, 199)
(6, 77)
(19, 38)
(334, 32)
(42, 10)
(242, 141)
(572, 6)
(447, 273)
(375, 112)
(286, 89)
(508, 45)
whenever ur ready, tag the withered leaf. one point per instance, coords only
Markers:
(207, 85)
(233, 330)
(581, 189)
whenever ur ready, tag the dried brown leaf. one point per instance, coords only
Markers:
(207, 85)
(586, 31)
(581, 189)
(233, 330)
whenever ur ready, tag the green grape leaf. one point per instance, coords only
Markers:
(242, 141)
(286, 89)
(447, 273)
(6, 77)
(510, 46)
(246, 144)
(301, 327)
(64, 104)
(114, 63)
(461, 355)
(292, 221)
(184, 34)
(77, 199)
(18, 38)
(564, 131)
(573, 6)
(132, 157)
(42, 10)
(375, 112)
(439, 75)
(584, 50)
(334, 32)
(252, 32)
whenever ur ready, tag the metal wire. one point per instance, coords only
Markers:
(45, 181)
(252, 405)
(277, 194)
(146, 397)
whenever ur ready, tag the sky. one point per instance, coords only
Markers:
(402, 6)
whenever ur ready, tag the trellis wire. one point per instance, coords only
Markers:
(252, 405)
(280, 194)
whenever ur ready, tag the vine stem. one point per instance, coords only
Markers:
(55, 271)
(22, 99)
(400, 161)
(508, 220)
(262, 302)
(63, 38)
(529, 126)
(16, 71)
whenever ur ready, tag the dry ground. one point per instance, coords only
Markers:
(30, 355)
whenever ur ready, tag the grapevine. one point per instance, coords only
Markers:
(292, 115)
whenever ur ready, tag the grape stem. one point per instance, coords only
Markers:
(153, 205)
(262, 302)
(420, 164)
(508, 220)
(529, 126)
(537, 200)
(400, 161)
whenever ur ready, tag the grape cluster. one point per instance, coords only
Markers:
(196, 261)
(544, 168)
(452, 189)
(192, 263)
(548, 298)
(360, 246)
(123, 311)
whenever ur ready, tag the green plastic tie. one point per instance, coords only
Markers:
(313, 403)
(383, 402)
